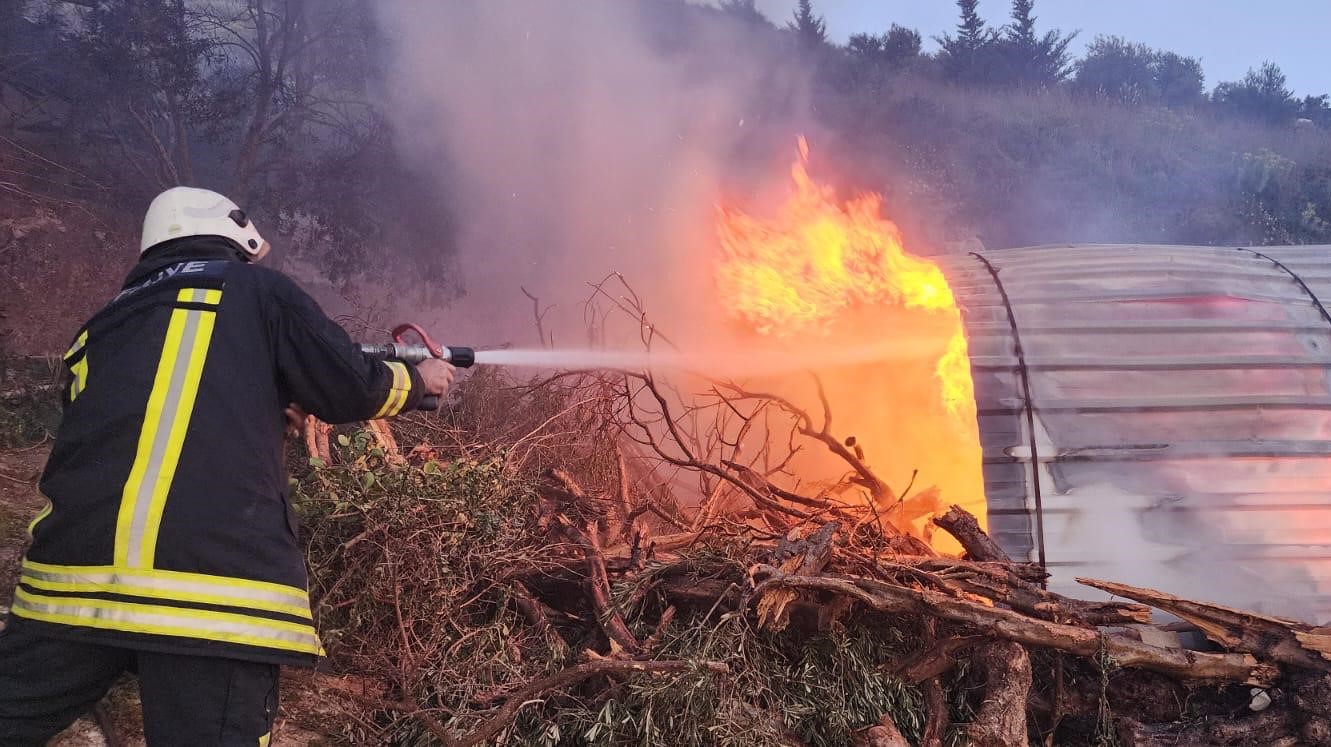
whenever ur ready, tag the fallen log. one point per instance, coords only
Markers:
(1013, 626)
(1280, 640)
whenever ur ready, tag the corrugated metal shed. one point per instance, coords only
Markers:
(1159, 415)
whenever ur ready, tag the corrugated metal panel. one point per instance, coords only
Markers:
(1182, 415)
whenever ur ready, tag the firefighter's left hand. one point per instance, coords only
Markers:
(295, 420)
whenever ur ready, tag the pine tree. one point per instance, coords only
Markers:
(1021, 32)
(971, 31)
(811, 29)
(1030, 59)
(964, 55)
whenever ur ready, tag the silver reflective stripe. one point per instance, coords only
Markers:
(168, 621)
(166, 420)
(289, 600)
(165, 429)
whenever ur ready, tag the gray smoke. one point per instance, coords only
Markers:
(576, 139)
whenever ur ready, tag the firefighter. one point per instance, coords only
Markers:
(168, 545)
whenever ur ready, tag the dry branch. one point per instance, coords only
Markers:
(681, 526)
(535, 612)
(938, 659)
(959, 523)
(1000, 623)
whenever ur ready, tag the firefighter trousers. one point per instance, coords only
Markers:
(47, 683)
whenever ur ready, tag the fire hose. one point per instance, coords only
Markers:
(415, 352)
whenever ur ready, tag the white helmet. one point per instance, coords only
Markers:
(185, 211)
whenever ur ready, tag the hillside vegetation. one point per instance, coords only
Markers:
(1000, 134)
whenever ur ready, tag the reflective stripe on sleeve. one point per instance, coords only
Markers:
(165, 422)
(77, 346)
(397, 391)
(79, 369)
(45, 512)
(162, 620)
(170, 586)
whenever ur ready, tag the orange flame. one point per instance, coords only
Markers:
(813, 268)
(801, 269)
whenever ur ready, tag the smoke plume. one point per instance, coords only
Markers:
(577, 139)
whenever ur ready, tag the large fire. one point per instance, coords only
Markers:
(838, 271)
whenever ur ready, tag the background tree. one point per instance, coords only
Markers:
(35, 67)
(1135, 73)
(1316, 109)
(1117, 69)
(967, 57)
(898, 48)
(810, 28)
(270, 101)
(745, 10)
(1262, 94)
(1179, 80)
(1029, 58)
(142, 64)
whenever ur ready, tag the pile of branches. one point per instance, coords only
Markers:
(596, 558)
(477, 604)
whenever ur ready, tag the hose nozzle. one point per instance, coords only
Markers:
(461, 357)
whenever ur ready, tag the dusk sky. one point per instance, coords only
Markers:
(1229, 36)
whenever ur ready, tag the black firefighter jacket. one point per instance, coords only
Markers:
(168, 526)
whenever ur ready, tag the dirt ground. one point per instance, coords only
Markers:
(304, 701)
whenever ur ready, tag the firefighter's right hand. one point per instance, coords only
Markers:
(437, 375)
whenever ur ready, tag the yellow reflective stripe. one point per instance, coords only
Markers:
(79, 369)
(165, 423)
(168, 621)
(46, 511)
(294, 594)
(392, 393)
(176, 441)
(397, 391)
(77, 346)
(80, 382)
(129, 582)
(263, 741)
(401, 401)
(148, 436)
(212, 296)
